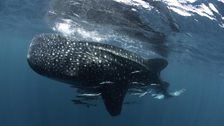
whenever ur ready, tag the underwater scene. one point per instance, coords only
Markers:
(111, 62)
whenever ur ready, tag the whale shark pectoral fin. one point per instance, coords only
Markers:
(156, 64)
(113, 96)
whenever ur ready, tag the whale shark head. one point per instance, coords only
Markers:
(59, 58)
(47, 56)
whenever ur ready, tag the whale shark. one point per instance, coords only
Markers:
(107, 70)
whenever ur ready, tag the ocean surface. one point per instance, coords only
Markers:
(188, 33)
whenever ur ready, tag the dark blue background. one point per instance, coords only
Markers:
(27, 99)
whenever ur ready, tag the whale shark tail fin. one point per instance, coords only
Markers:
(113, 96)
(156, 64)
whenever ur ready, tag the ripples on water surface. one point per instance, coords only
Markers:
(189, 33)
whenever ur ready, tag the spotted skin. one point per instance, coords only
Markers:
(88, 65)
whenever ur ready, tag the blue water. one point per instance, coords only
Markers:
(196, 61)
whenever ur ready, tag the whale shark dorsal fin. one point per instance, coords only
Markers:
(157, 64)
(113, 97)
